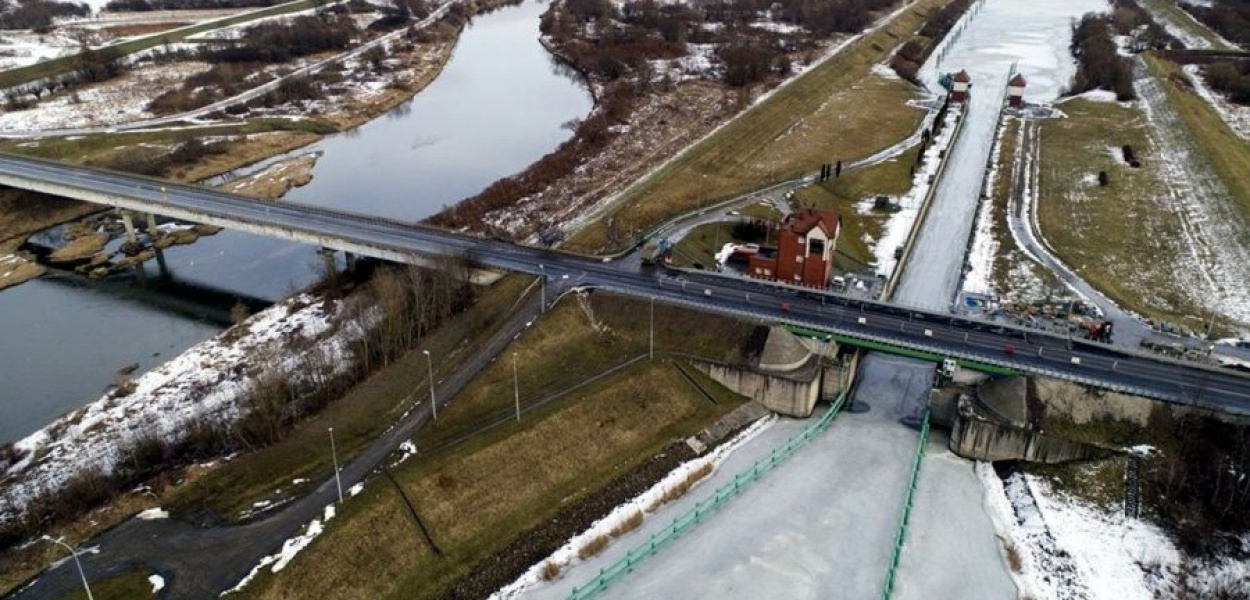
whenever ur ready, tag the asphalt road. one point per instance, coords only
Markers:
(1032, 351)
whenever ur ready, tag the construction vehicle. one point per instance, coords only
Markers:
(656, 251)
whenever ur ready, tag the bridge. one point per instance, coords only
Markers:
(865, 323)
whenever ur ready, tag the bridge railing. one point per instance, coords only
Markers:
(704, 508)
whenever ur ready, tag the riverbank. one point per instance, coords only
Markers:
(376, 90)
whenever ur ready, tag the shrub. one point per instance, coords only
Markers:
(593, 547)
(550, 571)
(634, 521)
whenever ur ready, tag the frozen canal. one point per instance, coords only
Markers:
(1032, 35)
(820, 526)
(951, 550)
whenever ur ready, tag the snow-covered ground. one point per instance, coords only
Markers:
(1236, 115)
(977, 278)
(120, 100)
(23, 48)
(1069, 549)
(1216, 267)
(898, 226)
(204, 384)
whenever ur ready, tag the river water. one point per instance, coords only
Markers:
(499, 104)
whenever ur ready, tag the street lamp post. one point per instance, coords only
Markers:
(74, 553)
(429, 362)
(334, 453)
(652, 336)
(516, 388)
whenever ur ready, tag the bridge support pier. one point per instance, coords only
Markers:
(351, 261)
(327, 255)
(129, 222)
(151, 218)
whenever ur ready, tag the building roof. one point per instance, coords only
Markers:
(1017, 81)
(805, 219)
(962, 76)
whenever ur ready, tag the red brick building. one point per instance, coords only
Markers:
(961, 83)
(1015, 91)
(805, 247)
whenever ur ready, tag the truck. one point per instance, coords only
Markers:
(656, 251)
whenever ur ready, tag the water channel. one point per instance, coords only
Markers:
(499, 104)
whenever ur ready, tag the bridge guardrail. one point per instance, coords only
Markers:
(900, 536)
(702, 509)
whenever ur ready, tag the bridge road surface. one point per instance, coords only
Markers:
(936, 331)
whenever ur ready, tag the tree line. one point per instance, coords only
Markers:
(916, 51)
(1229, 18)
(1099, 63)
(37, 15)
(1232, 79)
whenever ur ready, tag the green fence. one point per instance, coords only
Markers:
(702, 509)
(898, 350)
(900, 536)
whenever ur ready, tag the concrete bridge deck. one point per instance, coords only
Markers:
(884, 325)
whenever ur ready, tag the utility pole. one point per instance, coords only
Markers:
(74, 553)
(338, 482)
(429, 362)
(516, 388)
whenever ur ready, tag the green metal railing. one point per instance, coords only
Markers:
(702, 509)
(898, 350)
(900, 536)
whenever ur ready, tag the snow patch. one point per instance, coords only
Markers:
(204, 384)
(158, 583)
(290, 549)
(153, 514)
(567, 554)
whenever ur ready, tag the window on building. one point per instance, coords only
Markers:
(816, 247)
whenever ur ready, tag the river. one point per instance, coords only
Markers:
(499, 104)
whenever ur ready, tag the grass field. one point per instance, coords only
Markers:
(889, 178)
(837, 111)
(98, 148)
(477, 496)
(1228, 153)
(131, 584)
(357, 418)
(1113, 236)
(567, 348)
(66, 64)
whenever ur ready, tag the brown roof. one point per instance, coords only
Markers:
(1017, 81)
(962, 76)
(805, 219)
